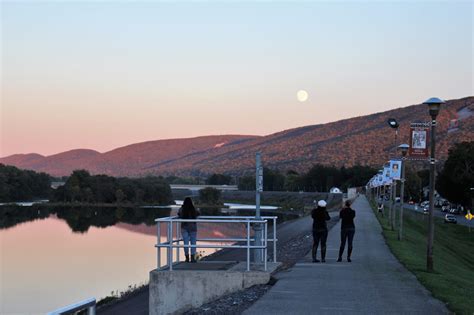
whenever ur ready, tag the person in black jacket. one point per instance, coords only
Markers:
(347, 216)
(320, 229)
(189, 229)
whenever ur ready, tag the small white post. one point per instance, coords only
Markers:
(248, 245)
(158, 236)
(266, 246)
(274, 241)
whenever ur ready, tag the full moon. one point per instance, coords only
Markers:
(302, 96)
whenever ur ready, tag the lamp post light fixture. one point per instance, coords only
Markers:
(434, 105)
(403, 148)
(392, 122)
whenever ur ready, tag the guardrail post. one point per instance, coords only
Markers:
(170, 246)
(274, 240)
(266, 246)
(158, 254)
(248, 245)
(177, 239)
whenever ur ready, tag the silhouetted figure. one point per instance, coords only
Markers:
(189, 229)
(320, 229)
(347, 216)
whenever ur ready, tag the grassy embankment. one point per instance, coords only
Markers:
(453, 279)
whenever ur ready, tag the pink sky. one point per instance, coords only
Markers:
(104, 75)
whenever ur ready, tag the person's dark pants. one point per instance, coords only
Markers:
(346, 234)
(319, 236)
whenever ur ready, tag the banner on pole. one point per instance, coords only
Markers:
(396, 169)
(386, 175)
(419, 136)
(260, 179)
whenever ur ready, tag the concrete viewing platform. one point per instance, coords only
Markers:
(374, 283)
(190, 285)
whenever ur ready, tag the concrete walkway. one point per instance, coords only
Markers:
(374, 283)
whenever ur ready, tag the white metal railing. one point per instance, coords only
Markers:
(88, 304)
(173, 242)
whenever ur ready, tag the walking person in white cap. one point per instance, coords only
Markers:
(320, 229)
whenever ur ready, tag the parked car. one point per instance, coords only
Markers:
(446, 208)
(426, 209)
(454, 210)
(424, 203)
(449, 218)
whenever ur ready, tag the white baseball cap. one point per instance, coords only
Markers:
(322, 203)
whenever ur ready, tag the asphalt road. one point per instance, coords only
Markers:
(438, 213)
(374, 283)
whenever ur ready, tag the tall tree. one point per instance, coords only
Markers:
(457, 177)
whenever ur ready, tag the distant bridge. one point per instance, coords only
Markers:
(199, 187)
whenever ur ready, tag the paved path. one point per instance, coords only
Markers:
(374, 283)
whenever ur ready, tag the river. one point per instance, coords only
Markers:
(50, 257)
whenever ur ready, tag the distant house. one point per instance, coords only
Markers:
(55, 185)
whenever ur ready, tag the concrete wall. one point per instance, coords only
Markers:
(174, 292)
(351, 193)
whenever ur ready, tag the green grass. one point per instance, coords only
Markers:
(453, 278)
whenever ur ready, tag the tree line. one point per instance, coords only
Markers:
(83, 187)
(22, 185)
(320, 178)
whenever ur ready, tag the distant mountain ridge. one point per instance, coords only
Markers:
(359, 140)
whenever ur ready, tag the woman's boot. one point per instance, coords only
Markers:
(313, 253)
(187, 258)
(341, 251)
(193, 258)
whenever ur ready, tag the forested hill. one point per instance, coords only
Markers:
(364, 140)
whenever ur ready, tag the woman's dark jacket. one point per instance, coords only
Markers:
(188, 226)
(347, 216)
(320, 216)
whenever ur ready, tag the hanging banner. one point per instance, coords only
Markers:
(386, 175)
(396, 169)
(419, 133)
(380, 179)
(260, 179)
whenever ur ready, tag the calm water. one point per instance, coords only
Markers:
(51, 258)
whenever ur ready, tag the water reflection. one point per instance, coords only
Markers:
(80, 219)
(54, 256)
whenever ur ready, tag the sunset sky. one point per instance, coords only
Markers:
(101, 75)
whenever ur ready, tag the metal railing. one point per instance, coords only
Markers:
(88, 304)
(173, 242)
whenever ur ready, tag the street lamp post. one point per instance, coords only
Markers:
(404, 149)
(393, 123)
(434, 105)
